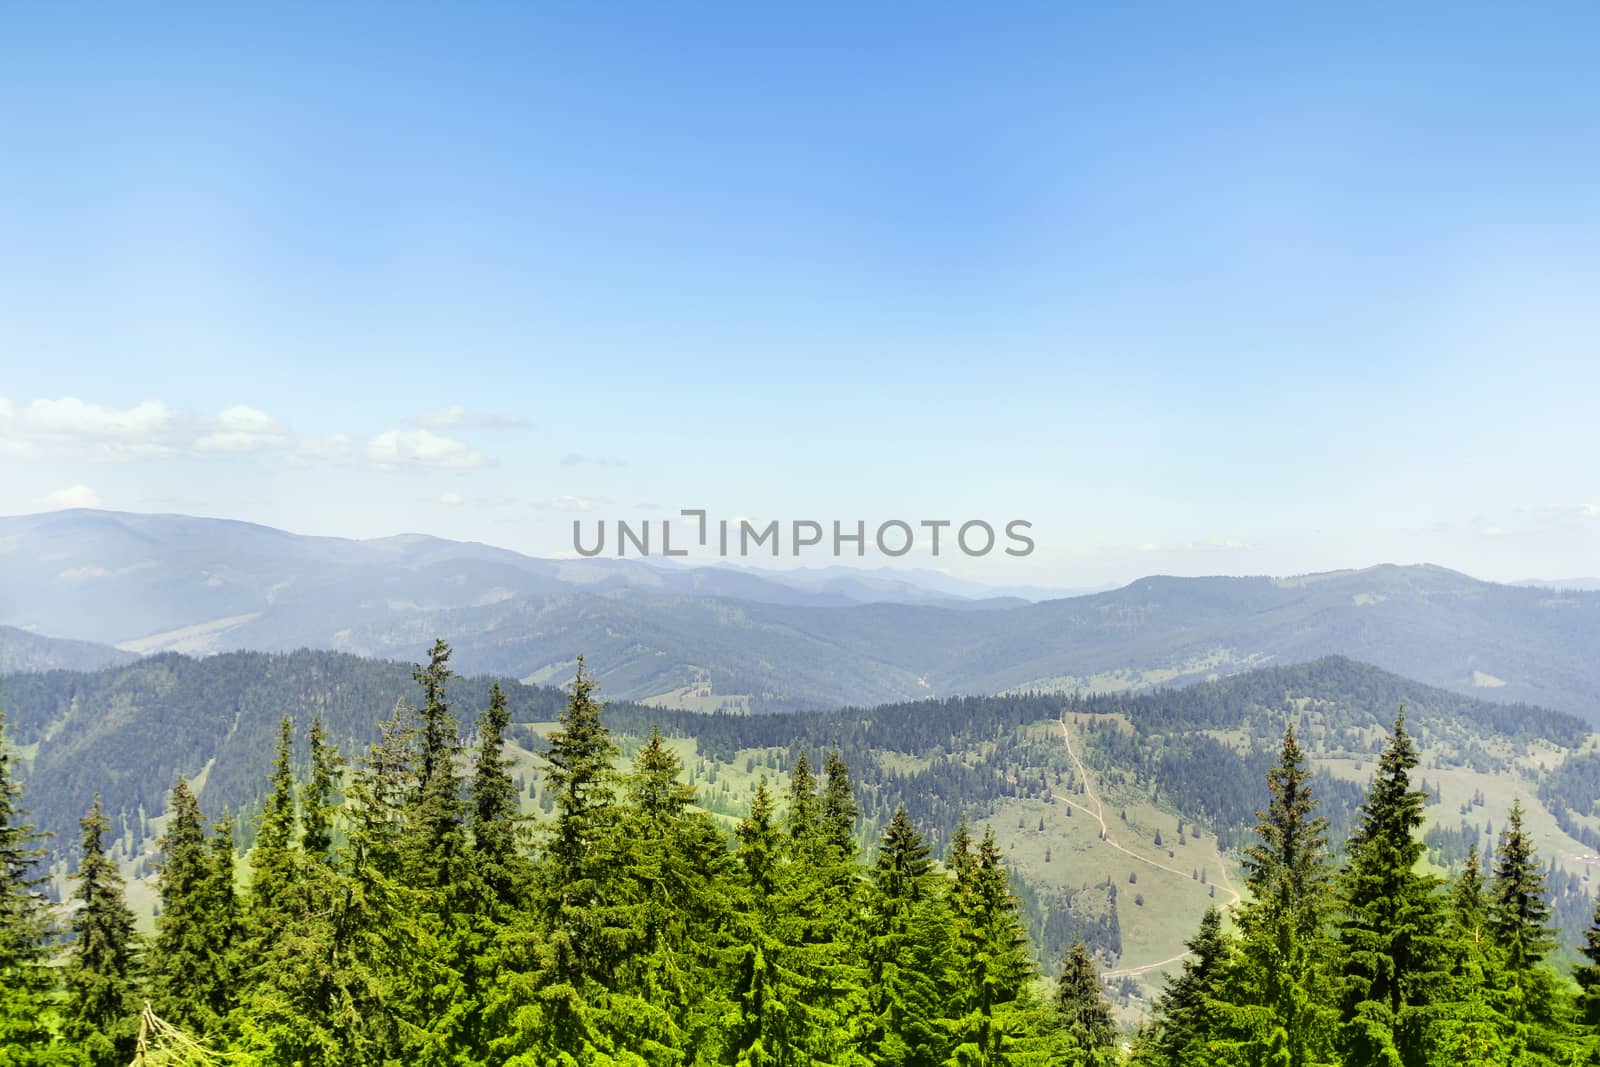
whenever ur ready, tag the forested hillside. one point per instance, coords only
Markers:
(1174, 774)
(399, 907)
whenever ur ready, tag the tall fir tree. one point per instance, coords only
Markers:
(1082, 1007)
(1279, 1009)
(993, 970)
(1185, 1013)
(1587, 975)
(908, 951)
(673, 873)
(25, 927)
(1390, 926)
(101, 1015)
(182, 955)
(318, 800)
(497, 822)
(273, 860)
(1519, 923)
(766, 1026)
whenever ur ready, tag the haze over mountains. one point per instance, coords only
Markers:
(726, 637)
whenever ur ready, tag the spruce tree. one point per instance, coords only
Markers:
(579, 856)
(216, 985)
(25, 927)
(1588, 974)
(1519, 915)
(1185, 1012)
(550, 1000)
(497, 824)
(182, 952)
(318, 802)
(908, 951)
(673, 872)
(102, 1007)
(1519, 924)
(765, 1026)
(1280, 1011)
(272, 858)
(993, 970)
(1470, 1024)
(1389, 926)
(1081, 1005)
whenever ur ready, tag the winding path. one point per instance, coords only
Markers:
(1098, 814)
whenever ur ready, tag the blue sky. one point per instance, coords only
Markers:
(1195, 289)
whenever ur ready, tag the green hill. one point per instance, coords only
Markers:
(1124, 838)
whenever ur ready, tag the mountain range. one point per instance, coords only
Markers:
(707, 638)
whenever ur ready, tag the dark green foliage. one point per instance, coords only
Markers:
(102, 1006)
(1278, 1000)
(1588, 974)
(992, 971)
(25, 927)
(1081, 1003)
(908, 951)
(497, 824)
(1389, 922)
(1185, 1014)
(399, 916)
(189, 962)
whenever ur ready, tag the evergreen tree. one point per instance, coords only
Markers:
(326, 989)
(1081, 1004)
(496, 816)
(1588, 974)
(765, 1027)
(993, 970)
(272, 859)
(551, 1000)
(102, 1008)
(183, 954)
(317, 799)
(25, 927)
(1279, 1009)
(1519, 916)
(908, 952)
(1185, 1012)
(579, 854)
(673, 871)
(1469, 1026)
(215, 985)
(1518, 922)
(803, 821)
(1390, 927)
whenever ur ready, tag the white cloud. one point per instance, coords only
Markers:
(69, 426)
(71, 417)
(241, 428)
(453, 416)
(83, 572)
(452, 499)
(1146, 547)
(421, 448)
(73, 496)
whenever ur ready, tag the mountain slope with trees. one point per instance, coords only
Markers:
(397, 906)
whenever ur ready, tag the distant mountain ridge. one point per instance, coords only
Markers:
(721, 637)
(24, 651)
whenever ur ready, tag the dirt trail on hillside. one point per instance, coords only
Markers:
(1098, 814)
